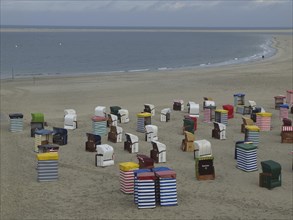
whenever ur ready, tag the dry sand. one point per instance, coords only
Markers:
(84, 191)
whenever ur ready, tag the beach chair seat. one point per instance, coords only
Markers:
(254, 111)
(158, 153)
(188, 142)
(193, 108)
(194, 119)
(287, 122)
(104, 156)
(124, 115)
(16, 122)
(252, 104)
(143, 119)
(207, 101)
(287, 134)
(165, 114)
(279, 100)
(246, 121)
(70, 121)
(271, 175)
(115, 111)
(178, 105)
(188, 125)
(36, 126)
(101, 111)
(145, 162)
(202, 148)
(149, 108)
(204, 168)
(48, 148)
(112, 120)
(151, 133)
(219, 131)
(230, 109)
(60, 136)
(115, 134)
(92, 141)
(43, 137)
(131, 143)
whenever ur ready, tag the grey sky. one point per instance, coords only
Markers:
(184, 13)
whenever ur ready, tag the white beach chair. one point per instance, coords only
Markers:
(100, 111)
(104, 156)
(124, 115)
(151, 133)
(202, 148)
(165, 114)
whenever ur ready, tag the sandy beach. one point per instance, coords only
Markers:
(85, 191)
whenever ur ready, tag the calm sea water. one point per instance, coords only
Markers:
(74, 52)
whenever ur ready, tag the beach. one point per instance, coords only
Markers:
(84, 191)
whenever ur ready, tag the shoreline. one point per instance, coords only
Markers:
(268, 51)
(84, 191)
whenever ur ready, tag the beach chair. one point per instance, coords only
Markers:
(271, 175)
(60, 136)
(204, 168)
(48, 148)
(287, 122)
(165, 114)
(254, 111)
(178, 105)
(219, 131)
(70, 122)
(131, 143)
(112, 120)
(104, 156)
(287, 134)
(193, 108)
(289, 97)
(230, 109)
(246, 121)
(143, 119)
(124, 115)
(149, 108)
(115, 134)
(92, 141)
(100, 111)
(252, 104)
(158, 153)
(188, 125)
(239, 99)
(187, 143)
(283, 111)
(36, 126)
(37, 122)
(70, 119)
(194, 119)
(151, 133)
(204, 165)
(279, 100)
(145, 162)
(115, 111)
(202, 148)
(207, 101)
(16, 122)
(43, 137)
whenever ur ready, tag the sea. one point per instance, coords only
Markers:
(55, 51)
